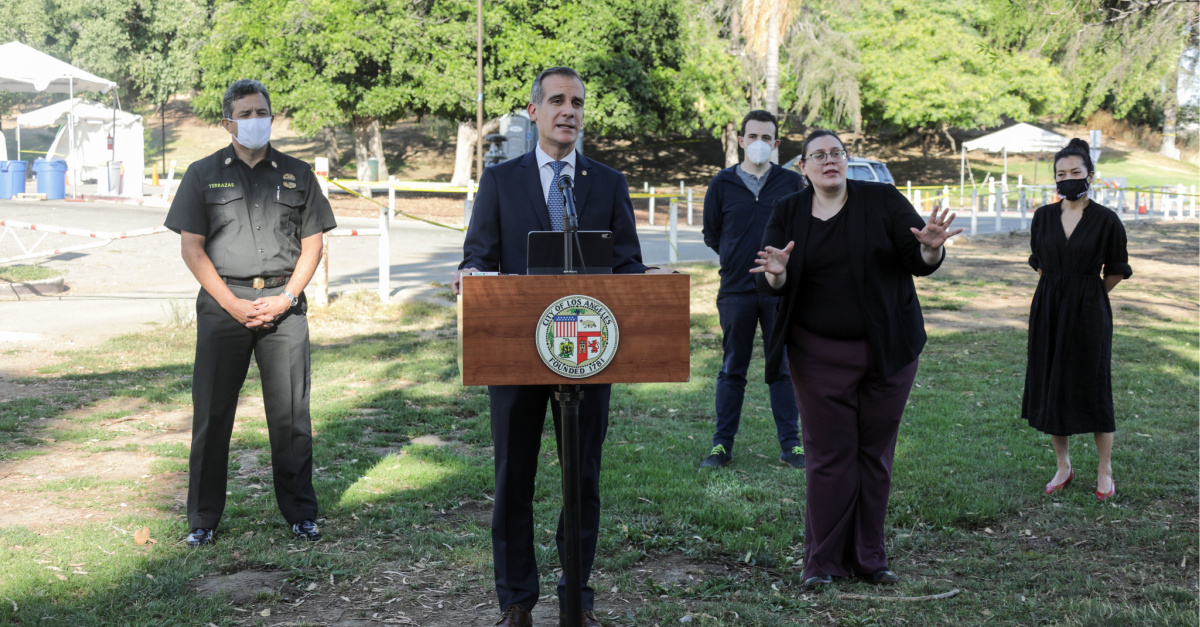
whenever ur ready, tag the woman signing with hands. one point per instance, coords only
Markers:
(842, 254)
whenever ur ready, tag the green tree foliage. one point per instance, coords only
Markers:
(165, 60)
(1113, 54)
(824, 62)
(332, 61)
(926, 66)
(147, 47)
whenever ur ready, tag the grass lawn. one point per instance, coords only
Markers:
(18, 274)
(93, 448)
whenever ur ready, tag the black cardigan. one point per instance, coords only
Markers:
(884, 257)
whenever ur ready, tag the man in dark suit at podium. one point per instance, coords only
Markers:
(516, 197)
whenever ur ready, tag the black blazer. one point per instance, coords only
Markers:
(511, 203)
(884, 257)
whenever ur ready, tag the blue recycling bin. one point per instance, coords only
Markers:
(51, 178)
(12, 178)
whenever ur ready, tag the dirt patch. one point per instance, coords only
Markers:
(478, 511)
(247, 586)
(1164, 256)
(674, 569)
(435, 594)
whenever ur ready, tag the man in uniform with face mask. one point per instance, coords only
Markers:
(252, 221)
(736, 209)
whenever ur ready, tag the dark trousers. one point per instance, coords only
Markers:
(741, 315)
(223, 350)
(518, 416)
(851, 418)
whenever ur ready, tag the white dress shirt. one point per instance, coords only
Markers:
(546, 172)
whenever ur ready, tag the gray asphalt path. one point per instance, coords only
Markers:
(128, 284)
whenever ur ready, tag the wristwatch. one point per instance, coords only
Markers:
(291, 297)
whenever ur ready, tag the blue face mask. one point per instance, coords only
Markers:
(253, 133)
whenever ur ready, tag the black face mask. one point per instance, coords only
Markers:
(1072, 189)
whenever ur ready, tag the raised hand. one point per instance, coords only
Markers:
(936, 231)
(773, 260)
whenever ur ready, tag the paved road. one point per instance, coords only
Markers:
(131, 283)
(127, 284)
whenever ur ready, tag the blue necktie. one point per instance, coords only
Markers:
(555, 202)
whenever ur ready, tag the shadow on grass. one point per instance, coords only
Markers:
(404, 474)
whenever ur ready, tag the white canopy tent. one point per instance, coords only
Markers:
(1018, 138)
(23, 69)
(89, 126)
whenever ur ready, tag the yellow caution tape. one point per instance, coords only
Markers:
(407, 215)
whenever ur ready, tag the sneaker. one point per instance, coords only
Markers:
(307, 530)
(794, 457)
(199, 537)
(717, 458)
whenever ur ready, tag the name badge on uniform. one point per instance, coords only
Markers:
(289, 184)
(288, 176)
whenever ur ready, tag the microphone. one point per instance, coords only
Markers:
(571, 220)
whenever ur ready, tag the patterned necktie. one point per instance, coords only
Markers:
(555, 202)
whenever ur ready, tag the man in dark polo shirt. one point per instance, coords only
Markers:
(252, 221)
(736, 208)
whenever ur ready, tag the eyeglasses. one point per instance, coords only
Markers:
(835, 156)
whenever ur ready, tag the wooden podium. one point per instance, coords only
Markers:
(498, 318)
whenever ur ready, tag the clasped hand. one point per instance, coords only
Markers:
(261, 312)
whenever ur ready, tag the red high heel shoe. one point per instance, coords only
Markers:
(1112, 491)
(1052, 488)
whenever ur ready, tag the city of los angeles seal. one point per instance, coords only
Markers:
(577, 336)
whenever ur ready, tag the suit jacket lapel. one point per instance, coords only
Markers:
(532, 181)
(856, 217)
(583, 184)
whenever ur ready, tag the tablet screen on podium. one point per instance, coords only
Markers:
(593, 252)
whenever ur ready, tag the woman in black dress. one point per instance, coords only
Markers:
(1068, 379)
(842, 255)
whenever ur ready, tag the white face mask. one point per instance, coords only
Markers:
(253, 133)
(759, 152)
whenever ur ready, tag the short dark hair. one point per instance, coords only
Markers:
(760, 115)
(815, 135)
(536, 94)
(1076, 148)
(240, 89)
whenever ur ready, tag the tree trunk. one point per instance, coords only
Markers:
(729, 140)
(377, 149)
(1170, 113)
(361, 150)
(773, 60)
(464, 149)
(332, 152)
(946, 133)
(464, 153)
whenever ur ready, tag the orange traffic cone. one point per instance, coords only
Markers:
(1141, 208)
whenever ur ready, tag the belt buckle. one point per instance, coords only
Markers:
(258, 283)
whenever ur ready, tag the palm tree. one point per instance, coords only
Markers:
(763, 25)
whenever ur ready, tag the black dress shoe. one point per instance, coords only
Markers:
(307, 530)
(199, 537)
(589, 619)
(882, 575)
(515, 616)
(816, 581)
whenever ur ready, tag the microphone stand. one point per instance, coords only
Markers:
(569, 397)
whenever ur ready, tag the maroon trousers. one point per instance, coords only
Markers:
(850, 419)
